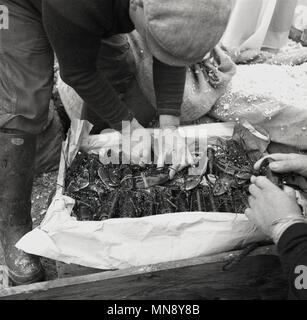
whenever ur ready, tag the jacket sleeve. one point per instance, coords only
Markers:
(292, 248)
(77, 49)
(169, 84)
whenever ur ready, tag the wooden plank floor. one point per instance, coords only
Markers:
(257, 277)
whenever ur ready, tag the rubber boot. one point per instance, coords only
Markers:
(17, 157)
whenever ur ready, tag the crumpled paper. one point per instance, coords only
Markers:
(123, 243)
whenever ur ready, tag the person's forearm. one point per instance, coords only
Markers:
(93, 88)
(167, 121)
(77, 49)
(169, 84)
(292, 248)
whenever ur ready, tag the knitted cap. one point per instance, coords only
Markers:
(182, 32)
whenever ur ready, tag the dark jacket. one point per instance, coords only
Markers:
(292, 248)
(75, 28)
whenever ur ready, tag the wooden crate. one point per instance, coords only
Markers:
(258, 276)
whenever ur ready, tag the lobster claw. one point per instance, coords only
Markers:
(140, 181)
(104, 175)
(82, 182)
(192, 182)
(223, 165)
(219, 190)
(243, 176)
(85, 213)
(127, 181)
(146, 182)
(221, 187)
(115, 176)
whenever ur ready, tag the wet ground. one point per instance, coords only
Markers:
(43, 187)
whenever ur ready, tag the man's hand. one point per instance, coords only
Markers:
(172, 147)
(272, 209)
(167, 121)
(140, 148)
(286, 163)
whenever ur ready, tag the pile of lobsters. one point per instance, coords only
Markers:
(131, 191)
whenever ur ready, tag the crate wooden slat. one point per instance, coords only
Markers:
(72, 270)
(4, 280)
(259, 276)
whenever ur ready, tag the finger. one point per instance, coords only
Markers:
(222, 58)
(199, 75)
(263, 183)
(254, 191)
(182, 166)
(190, 159)
(142, 163)
(173, 170)
(138, 155)
(161, 160)
(285, 166)
(186, 161)
(275, 157)
(147, 156)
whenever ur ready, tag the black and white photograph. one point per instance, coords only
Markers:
(153, 153)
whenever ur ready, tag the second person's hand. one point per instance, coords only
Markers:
(286, 163)
(272, 209)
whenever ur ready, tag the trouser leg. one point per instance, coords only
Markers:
(26, 69)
